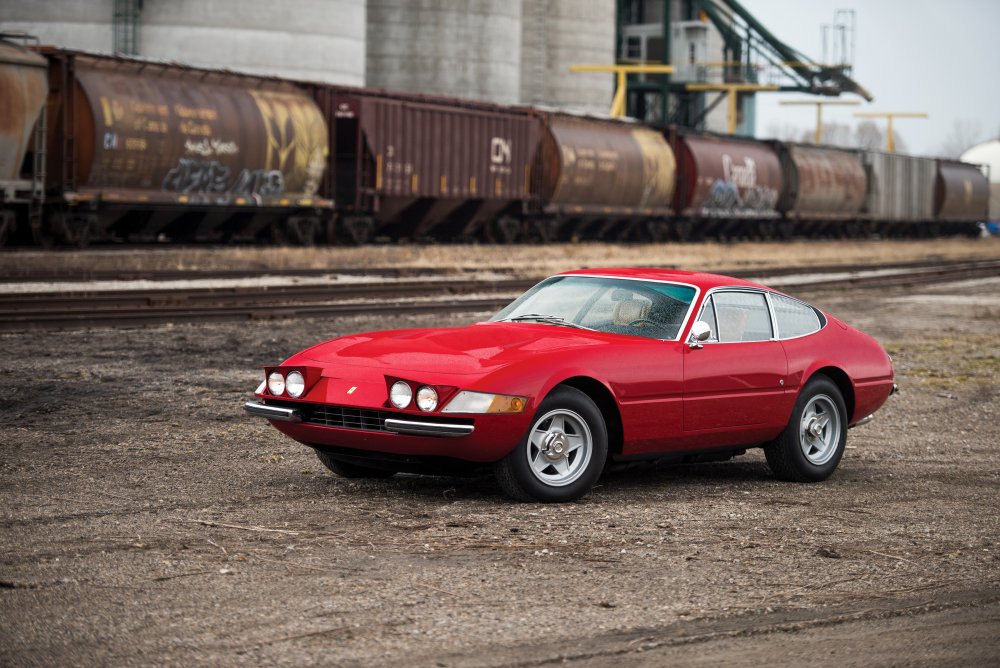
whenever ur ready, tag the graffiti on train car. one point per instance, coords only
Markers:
(195, 175)
(295, 137)
(738, 194)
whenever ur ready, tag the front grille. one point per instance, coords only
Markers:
(362, 419)
(347, 418)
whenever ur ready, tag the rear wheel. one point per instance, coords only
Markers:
(563, 453)
(813, 442)
(349, 469)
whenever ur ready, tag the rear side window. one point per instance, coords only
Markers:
(794, 318)
(742, 316)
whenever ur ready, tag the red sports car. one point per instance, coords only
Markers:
(587, 368)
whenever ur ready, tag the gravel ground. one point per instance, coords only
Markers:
(146, 520)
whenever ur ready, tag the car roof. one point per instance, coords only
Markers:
(697, 278)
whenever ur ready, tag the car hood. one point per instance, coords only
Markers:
(475, 349)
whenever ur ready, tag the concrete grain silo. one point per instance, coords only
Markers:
(446, 47)
(299, 39)
(558, 33)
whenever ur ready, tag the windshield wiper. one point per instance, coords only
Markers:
(547, 319)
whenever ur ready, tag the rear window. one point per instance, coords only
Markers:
(794, 318)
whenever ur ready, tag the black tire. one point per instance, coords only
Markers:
(349, 469)
(800, 454)
(576, 438)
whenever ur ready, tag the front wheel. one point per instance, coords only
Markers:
(563, 453)
(810, 447)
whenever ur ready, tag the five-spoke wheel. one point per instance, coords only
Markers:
(810, 447)
(562, 454)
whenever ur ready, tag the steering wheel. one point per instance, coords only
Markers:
(642, 322)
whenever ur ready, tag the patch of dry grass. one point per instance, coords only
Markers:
(526, 260)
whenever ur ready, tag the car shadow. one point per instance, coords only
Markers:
(634, 479)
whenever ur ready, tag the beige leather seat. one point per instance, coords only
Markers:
(630, 310)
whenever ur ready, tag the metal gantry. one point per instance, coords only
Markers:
(752, 55)
(819, 104)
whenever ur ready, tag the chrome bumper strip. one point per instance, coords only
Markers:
(862, 421)
(428, 428)
(272, 412)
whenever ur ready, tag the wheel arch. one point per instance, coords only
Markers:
(601, 395)
(843, 383)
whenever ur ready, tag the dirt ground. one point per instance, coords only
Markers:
(146, 520)
(522, 260)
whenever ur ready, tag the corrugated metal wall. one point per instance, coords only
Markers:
(900, 187)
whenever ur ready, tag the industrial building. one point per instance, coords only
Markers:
(509, 52)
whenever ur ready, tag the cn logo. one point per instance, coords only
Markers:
(499, 150)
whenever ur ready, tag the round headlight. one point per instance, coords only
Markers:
(276, 383)
(295, 384)
(427, 398)
(400, 394)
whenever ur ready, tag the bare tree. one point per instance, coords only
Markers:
(834, 134)
(869, 135)
(964, 135)
(783, 131)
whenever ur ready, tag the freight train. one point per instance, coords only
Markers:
(106, 148)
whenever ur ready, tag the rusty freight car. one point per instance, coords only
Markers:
(597, 178)
(22, 91)
(415, 166)
(823, 189)
(961, 195)
(141, 149)
(725, 185)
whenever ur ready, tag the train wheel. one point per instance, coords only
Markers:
(40, 234)
(359, 229)
(657, 231)
(785, 230)
(684, 230)
(6, 226)
(74, 229)
(505, 230)
(302, 230)
(548, 229)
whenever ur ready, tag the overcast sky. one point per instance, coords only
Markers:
(941, 58)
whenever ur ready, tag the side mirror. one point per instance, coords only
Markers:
(700, 331)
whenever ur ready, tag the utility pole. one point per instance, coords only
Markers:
(890, 144)
(819, 110)
(618, 103)
(731, 90)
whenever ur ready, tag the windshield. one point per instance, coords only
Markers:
(613, 305)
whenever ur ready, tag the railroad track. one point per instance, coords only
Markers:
(118, 308)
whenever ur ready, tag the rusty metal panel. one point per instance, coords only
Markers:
(424, 149)
(900, 187)
(591, 166)
(822, 182)
(726, 177)
(23, 87)
(961, 192)
(170, 133)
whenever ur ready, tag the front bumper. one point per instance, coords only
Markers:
(394, 425)
(280, 413)
(480, 438)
